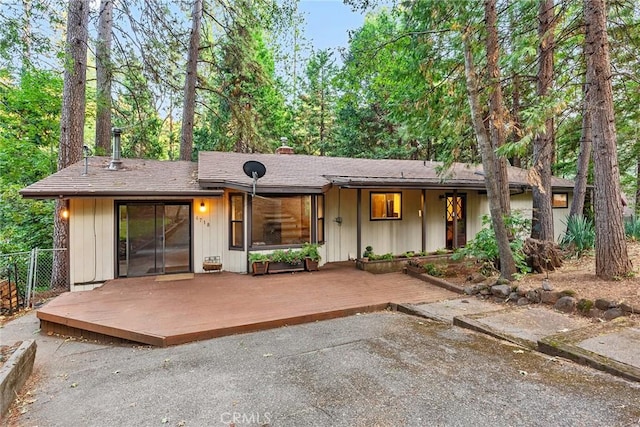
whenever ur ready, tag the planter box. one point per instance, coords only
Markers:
(284, 267)
(397, 264)
(260, 268)
(311, 265)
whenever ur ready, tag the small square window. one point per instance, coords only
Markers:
(560, 200)
(386, 206)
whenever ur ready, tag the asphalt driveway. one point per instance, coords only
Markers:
(379, 369)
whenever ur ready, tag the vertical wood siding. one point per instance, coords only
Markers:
(91, 242)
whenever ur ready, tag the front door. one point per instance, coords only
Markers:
(456, 220)
(153, 238)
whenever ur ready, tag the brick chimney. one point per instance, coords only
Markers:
(284, 148)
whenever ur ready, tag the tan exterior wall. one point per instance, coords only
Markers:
(211, 235)
(91, 242)
(93, 227)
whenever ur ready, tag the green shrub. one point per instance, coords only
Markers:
(484, 246)
(632, 228)
(434, 270)
(580, 236)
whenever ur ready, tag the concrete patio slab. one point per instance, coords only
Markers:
(524, 326)
(445, 311)
(610, 346)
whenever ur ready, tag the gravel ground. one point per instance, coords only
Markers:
(380, 369)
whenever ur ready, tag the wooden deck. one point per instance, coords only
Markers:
(162, 311)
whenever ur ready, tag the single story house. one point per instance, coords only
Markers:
(135, 217)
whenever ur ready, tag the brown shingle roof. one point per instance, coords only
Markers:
(285, 173)
(302, 173)
(138, 177)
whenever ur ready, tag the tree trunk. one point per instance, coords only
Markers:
(71, 126)
(188, 111)
(26, 34)
(542, 221)
(636, 211)
(507, 262)
(496, 110)
(612, 259)
(103, 78)
(584, 157)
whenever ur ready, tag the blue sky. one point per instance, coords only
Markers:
(328, 21)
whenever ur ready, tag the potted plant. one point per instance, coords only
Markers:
(311, 256)
(259, 263)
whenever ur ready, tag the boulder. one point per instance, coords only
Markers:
(604, 304)
(501, 291)
(566, 304)
(550, 297)
(613, 313)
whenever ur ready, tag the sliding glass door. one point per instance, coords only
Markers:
(153, 238)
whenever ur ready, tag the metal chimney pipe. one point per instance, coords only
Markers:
(116, 163)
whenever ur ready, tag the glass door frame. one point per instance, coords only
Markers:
(155, 203)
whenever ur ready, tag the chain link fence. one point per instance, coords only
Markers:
(31, 273)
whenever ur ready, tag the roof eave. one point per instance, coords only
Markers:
(82, 194)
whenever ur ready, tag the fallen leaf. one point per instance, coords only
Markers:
(267, 355)
(165, 420)
(523, 373)
(74, 385)
(518, 351)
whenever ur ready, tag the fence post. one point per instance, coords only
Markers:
(30, 279)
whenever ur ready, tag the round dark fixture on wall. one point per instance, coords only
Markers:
(254, 170)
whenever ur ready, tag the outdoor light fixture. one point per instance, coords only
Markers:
(203, 208)
(65, 214)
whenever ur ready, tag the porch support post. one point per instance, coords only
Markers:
(359, 223)
(455, 219)
(424, 220)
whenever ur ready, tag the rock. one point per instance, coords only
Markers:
(550, 297)
(523, 301)
(613, 313)
(628, 308)
(513, 297)
(476, 278)
(534, 296)
(595, 313)
(604, 304)
(546, 285)
(522, 292)
(470, 290)
(566, 304)
(501, 291)
(485, 292)
(503, 281)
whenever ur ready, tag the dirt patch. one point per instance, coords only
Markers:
(576, 274)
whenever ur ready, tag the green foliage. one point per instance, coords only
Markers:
(384, 257)
(24, 224)
(580, 236)
(29, 134)
(288, 256)
(258, 257)
(434, 270)
(368, 251)
(310, 250)
(484, 247)
(632, 228)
